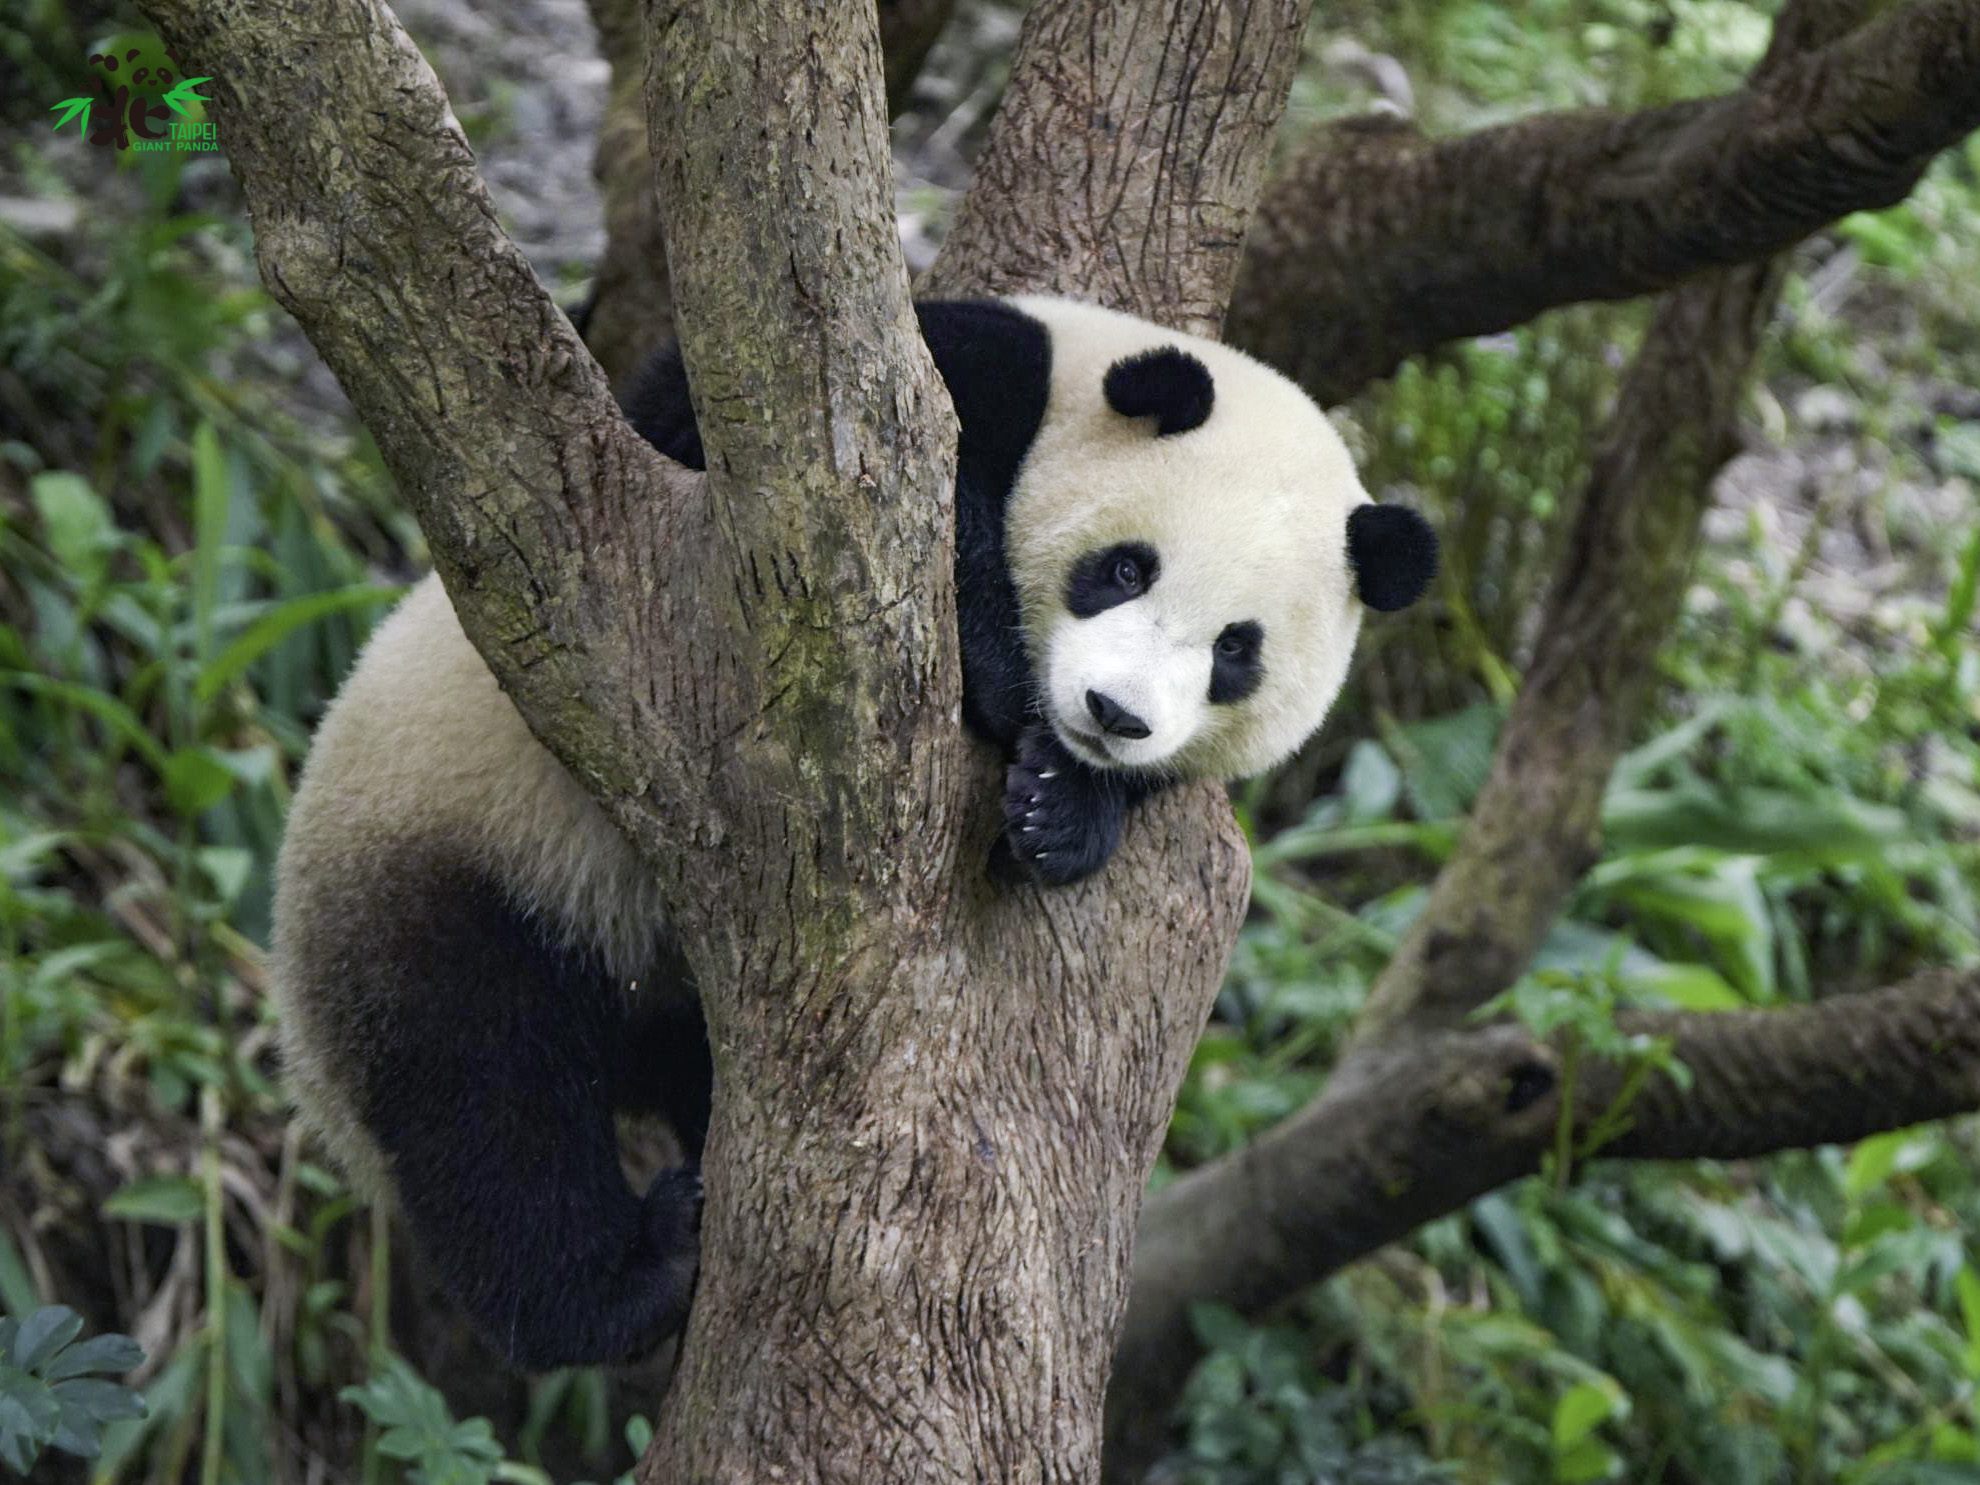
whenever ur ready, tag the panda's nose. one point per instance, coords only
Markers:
(1115, 718)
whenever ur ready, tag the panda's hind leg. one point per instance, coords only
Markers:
(484, 1050)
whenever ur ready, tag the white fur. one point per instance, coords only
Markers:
(422, 751)
(422, 745)
(1249, 516)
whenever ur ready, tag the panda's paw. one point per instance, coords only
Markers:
(657, 1284)
(609, 1304)
(673, 1215)
(1061, 819)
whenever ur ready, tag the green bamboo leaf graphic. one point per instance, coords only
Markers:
(69, 108)
(182, 94)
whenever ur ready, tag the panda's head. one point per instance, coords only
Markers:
(1192, 551)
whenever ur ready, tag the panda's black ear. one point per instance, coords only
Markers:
(1167, 384)
(1393, 553)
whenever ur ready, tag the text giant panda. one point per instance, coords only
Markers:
(1162, 553)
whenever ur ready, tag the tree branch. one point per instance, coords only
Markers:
(1125, 157)
(1534, 828)
(937, 1103)
(829, 437)
(1829, 1073)
(1376, 244)
(1416, 1129)
(631, 310)
(373, 230)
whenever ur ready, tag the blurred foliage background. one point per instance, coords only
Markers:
(195, 537)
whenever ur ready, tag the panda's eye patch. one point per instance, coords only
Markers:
(1111, 576)
(1237, 662)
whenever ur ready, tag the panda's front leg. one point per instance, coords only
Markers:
(1062, 819)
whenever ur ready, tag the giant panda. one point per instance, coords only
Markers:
(1162, 557)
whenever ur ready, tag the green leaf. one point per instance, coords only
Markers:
(109, 1354)
(1371, 783)
(212, 495)
(228, 868)
(29, 1417)
(419, 1427)
(163, 1201)
(1582, 1409)
(106, 709)
(1876, 1159)
(43, 1333)
(1750, 821)
(1218, 1327)
(75, 522)
(1888, 239)
(196, 780)
(1589, 1460)
(1445, 760)
(1967, 1283)
(17, 1291)
(98, 1400)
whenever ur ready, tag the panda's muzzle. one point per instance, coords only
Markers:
(1115, 720)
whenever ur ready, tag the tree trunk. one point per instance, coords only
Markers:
(631, 309)
(937, 1101)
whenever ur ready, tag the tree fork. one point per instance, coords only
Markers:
(937, 1103)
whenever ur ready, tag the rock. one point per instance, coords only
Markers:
(1825, 409)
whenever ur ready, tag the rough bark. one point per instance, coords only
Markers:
(1534, 828)
(373, 230)
(937, 1102)
(1376, 243)
(1414, 1129)
(931, 1289)
(631, 309)
(1123, 163)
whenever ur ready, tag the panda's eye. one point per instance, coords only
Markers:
(1236, 661)
(1110, 576)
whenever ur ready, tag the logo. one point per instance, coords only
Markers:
(141, 102)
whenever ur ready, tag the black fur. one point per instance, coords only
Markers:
(1237, 662)
(1393, 553)
(1167, 384)
(480, 1041)
(1063, 819)
(997, 364)
(1110, 577)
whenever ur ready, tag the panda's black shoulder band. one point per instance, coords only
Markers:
(1393, 553)
(1166, 383)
